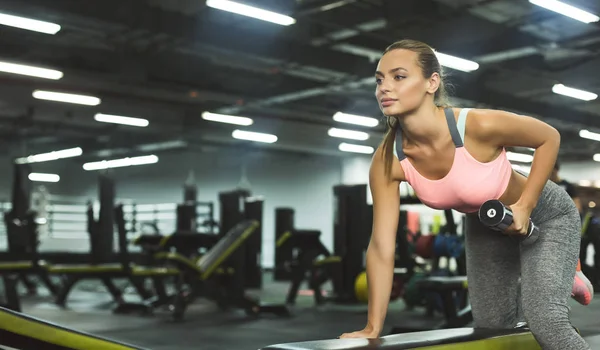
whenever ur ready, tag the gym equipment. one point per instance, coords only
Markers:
(237, 206)
(253, 255)
(449, 339)
(448, 245)
(284, 222)
(22, 237)
(307, 247)
(20, 331)
(451, 290)
(107, 272)
(499, 217)
(425, 245)
(352, 231)
(412, 295)
(214, 276)
(11, 297)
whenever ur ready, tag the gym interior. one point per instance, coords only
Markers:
(194, 174)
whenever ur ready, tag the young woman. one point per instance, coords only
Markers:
(459, 162)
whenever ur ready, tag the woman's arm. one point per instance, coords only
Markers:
(382, 247)
(505, 129)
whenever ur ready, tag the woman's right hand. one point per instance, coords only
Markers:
(367, 333)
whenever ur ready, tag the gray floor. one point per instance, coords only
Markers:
(208, 328)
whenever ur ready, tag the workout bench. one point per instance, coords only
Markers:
(448, 339)
(107, 272)
(20, 331)
(218, 275)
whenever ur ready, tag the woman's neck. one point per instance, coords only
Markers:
(424, 126)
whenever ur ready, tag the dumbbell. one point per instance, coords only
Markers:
(499, 217)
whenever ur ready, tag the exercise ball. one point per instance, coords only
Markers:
(361, 289)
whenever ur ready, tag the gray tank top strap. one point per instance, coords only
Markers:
(398, 144)
(453, 128)
(454, 132)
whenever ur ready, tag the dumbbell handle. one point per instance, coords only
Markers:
(499, 217)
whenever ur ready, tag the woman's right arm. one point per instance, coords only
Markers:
(382, 247)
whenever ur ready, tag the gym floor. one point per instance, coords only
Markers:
(207, 328)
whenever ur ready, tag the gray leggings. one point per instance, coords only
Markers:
(510, 283)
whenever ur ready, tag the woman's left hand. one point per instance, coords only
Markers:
(521, 215)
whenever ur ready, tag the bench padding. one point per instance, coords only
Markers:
(458, 338)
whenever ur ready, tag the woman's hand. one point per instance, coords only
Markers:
(521, 215)
(367, 332)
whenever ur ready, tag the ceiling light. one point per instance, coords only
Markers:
(251, 11)
(566, 10)
(116, 119)
(45, 157)
(355, 119)
(519, 157)
(41, 177)
(229, 119)
(119, 163)
(253, 136)
(29, 24)
(30, 71)
(348, 134)
(68, 98)
(589, 135)
(347, 147)
(574, 93)
(456, 62)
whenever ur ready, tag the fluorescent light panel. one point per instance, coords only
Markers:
(251, 11)
(519, 157)
(29, 24)
(67, 98)
(253, 136)
(119, 163)
(456, 62)
(566, 10)
(348, 147)
(348, 134)
(117, 119)
(574, 93)
(31, 71)
(355, 119)
(45, 157)
(586, 134)
(41, 177)
(224, 118)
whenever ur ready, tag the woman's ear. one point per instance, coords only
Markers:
(433, 83)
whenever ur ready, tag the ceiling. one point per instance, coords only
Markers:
(169, 61)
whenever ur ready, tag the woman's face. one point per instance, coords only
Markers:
(400, 84)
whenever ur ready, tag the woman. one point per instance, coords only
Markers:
(456, 162)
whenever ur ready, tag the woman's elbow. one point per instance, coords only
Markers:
(383, 252)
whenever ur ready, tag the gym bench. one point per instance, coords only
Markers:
(213, 277)
(20, 331)
(447, 339)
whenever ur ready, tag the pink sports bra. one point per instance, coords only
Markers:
(468, 184)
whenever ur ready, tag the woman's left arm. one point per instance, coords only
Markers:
(505, 129)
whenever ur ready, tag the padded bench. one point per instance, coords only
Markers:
(447, 339)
